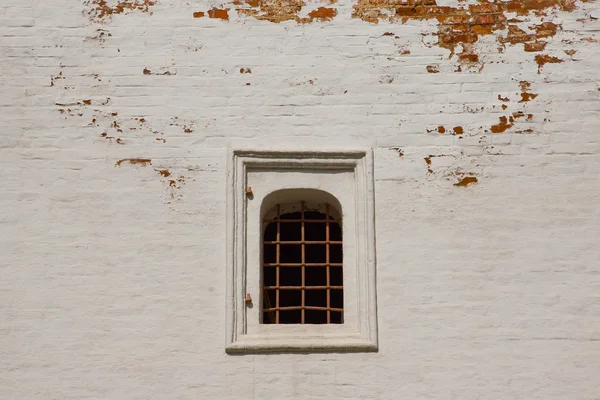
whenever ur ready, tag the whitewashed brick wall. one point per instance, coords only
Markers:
(114, 131)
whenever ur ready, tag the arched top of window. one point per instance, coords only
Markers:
(302, 262)
(289, 200)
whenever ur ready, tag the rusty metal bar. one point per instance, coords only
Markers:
(300, 264)
(308, 221)
(303, 260)
(310, 308)
(302, 287)
(277, 253)
(327, 281)
(305, 242)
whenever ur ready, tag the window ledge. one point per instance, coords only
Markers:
(304, 343)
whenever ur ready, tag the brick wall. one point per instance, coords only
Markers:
(115, 121)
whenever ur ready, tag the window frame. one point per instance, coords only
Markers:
(360, 333)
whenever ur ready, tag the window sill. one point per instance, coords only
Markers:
(324, 342)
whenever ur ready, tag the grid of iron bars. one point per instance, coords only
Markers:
(302, 268)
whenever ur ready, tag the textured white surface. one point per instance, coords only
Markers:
(113, 277)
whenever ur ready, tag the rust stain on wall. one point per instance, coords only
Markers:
(433, 69)
(198, 14)
(141, 161)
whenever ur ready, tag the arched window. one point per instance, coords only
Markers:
(302, 268)
(291, 283)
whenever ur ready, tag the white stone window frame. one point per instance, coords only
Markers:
(359, 330)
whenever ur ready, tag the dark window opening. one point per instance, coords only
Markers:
(302, 268)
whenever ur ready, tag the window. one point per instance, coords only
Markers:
(300, 251)
(303, 265)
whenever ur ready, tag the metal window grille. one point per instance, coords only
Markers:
(303, 268)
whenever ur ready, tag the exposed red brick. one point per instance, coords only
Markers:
(535, 46)
(466, 181)
(100, 11)
(486, 8)
(141, 161)
(543, 59)
(219, 13)
(546, 29)
(482, 29)
(321, 14)
(463, 24)
(471, 58)
(502, 126)
(483, 19)
(428, 162)
(274, 10)
(525, 94)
